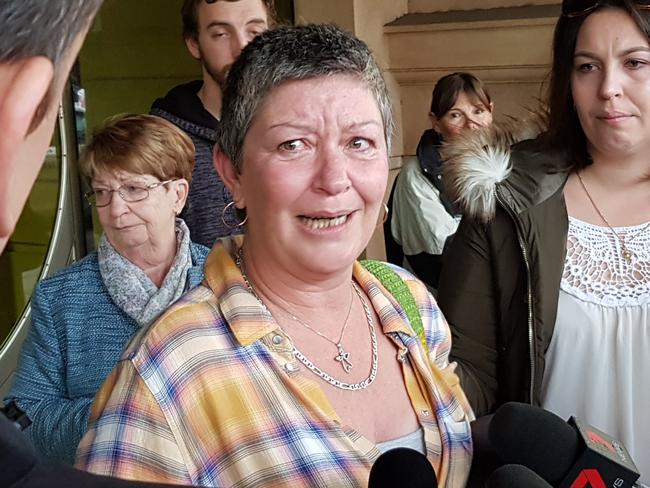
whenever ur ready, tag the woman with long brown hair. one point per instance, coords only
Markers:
(547, 283)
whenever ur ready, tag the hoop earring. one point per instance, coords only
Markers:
(383, 220)
(223, 217)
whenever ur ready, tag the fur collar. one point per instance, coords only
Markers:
(477, 161)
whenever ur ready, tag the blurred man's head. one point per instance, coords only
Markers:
(39, 41)
(215, 31)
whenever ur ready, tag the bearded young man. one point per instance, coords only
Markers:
(215, 32)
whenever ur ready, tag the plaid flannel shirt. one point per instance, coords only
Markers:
(212, 395)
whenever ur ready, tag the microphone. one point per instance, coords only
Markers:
(402, 467)
(572, 455)
(515, 476)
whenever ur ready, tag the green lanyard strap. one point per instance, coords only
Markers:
(396, 286)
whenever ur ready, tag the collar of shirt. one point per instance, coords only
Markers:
(250, 321)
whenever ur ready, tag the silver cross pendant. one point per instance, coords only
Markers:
(343, 357)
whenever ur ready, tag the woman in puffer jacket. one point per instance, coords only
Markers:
(547, 282)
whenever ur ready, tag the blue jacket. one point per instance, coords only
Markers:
(76, 338)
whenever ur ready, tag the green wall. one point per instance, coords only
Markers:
(133, 54)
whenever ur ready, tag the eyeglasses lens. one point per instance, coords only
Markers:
(128, 193)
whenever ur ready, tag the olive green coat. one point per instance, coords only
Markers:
(500, 281)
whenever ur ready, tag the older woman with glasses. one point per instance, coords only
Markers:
(139, 167)
(547, 282)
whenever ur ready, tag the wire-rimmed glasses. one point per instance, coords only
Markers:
(129, 192)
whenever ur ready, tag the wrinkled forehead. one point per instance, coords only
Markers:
(338, 86)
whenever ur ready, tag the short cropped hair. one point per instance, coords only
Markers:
(190, 15)
(565, 130)
(139, 144)
(42, 27)
(289, 53)
(447, 89)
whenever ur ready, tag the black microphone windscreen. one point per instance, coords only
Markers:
(515, 476)
(402, 467)
(536, 438)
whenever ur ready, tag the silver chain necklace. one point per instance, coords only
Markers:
(625, 252)
(342, 354)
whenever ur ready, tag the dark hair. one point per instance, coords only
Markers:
(290, 53)
(565, 131)
(447, 89)
(190, 15)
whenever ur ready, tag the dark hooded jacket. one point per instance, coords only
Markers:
(500, 284)
(208, 195)
(431, 163)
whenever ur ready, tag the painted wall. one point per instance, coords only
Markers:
(512, 57)
(339, 12)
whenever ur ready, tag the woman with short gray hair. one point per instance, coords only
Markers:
(294, 364)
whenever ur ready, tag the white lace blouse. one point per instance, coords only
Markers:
(598, 361)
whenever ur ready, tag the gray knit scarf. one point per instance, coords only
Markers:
(133, 291)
